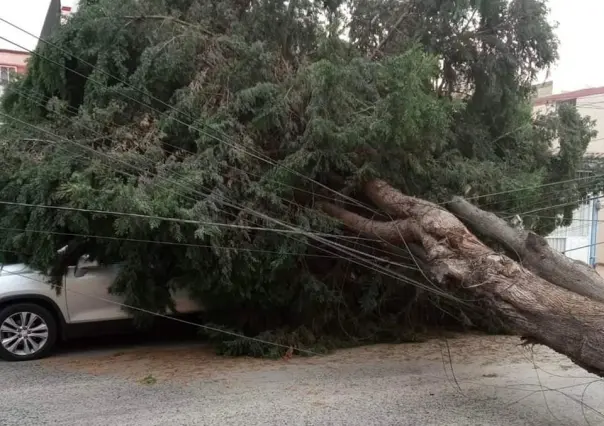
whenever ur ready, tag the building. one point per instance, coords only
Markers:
(66, 11)
(11, 62)
(588, 102)
(13, 59)
(544, 89)
(583, 239)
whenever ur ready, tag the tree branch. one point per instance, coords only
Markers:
(389, 35)
(392, 232)
(169, 18)
(393, 201)
(534, 252)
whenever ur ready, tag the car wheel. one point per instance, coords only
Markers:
(27, 331)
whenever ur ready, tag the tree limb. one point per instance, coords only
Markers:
(392, 232)
(533, 250)
(391, 31)
(169, 18)
(527, 304)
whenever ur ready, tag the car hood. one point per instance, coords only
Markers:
(15, 269)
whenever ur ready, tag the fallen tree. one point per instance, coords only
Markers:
(233, 119)
(541, 311)
(532, 251)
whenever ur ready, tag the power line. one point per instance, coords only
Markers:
(357, 203)
(549, 202)
(171, 243)
(577, 179)
(233, 145)
(160, 242)
(173, 219)
(405, 279)
(529, 188)
(549, 207)
(269, 161)
(172, 108)
(571, 221)
(359, 256)
(583, 186)
(584, 178)
(314, 194)
(161, 218)
(583, 247)
(137, 216)
(209, 190)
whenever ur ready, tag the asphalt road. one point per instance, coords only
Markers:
(491, 382)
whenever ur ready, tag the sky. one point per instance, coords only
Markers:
(581, 27)
(28, 15)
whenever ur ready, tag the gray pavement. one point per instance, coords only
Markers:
(491, 382)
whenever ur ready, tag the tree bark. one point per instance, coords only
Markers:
(391, 232)
(529, 305)
(533, 251)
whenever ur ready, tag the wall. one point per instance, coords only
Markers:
(594, 107)
(591, 105)
(578, 236)
(599, 248)
(18, 58)
(544, 89)
(574, 240)
(13, 59)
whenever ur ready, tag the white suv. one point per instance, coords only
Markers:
(33, 315)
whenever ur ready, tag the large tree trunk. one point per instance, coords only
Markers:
(537, 309)
(532, 251)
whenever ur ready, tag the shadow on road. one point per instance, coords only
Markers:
(162, 333)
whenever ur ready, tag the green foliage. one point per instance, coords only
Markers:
(231, 113)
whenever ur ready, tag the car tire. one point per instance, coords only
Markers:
(24, 342)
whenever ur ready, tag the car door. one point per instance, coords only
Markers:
(88, 297)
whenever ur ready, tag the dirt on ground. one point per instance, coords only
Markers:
(183, 363)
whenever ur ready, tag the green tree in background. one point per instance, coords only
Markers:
(247, 114)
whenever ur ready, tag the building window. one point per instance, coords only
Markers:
(6, 73)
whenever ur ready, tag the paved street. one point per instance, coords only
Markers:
(170, 384)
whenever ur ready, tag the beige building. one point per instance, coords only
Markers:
(583, 239)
